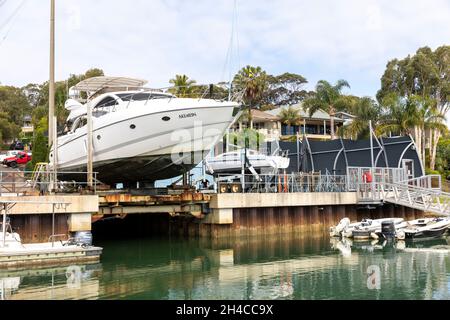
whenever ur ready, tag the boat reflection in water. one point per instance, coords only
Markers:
(59, 283)
(282, 267)
(407, 264)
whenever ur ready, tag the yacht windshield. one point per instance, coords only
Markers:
(142, 96)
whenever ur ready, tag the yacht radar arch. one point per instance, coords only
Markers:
(101, 84)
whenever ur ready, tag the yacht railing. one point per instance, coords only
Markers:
(162, 93)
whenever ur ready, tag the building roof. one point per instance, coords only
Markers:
(345, 115)
(258, 115)
(319, 115)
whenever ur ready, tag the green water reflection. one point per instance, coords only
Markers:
(284, 267)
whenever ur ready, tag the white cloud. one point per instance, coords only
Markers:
(156, 39)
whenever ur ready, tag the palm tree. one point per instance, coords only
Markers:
(398, 116)
(328, 98)
(290, 116)
(182, 86)
(365, 109)
(251, 83)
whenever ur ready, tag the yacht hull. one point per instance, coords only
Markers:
(130, 170)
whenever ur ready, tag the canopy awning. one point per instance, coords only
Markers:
(98, 83)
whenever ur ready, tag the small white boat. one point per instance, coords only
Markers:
(370, 228)
(363, 229)
(422, 229)
(232, 162)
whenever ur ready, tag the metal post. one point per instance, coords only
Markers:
(90, 156)
(55, 154)
(298, 152)
(243, 170)
(4, 224)
(51, 91)
(53, 225)
(372, 158)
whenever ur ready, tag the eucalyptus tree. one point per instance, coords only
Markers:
(285, 89)
(328, 98)
(425, 74)
(427, 119)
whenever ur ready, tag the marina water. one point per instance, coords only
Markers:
(308, 266)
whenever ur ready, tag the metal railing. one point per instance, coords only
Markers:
(61, 237)
(432, 182)
(356, 176)
(422, 198)
(21, 182)
(281, 183)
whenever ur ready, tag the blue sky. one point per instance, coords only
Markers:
(349, 39)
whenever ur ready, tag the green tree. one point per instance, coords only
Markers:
(183, 86)
(40, 143)
(249, 138)
(426, 74)
(8, 130)
(285, 89)
(364, 109)
(14, 103)
(398, 116)
(250, 83)
(328, 98)
(443, 157)
(290, 116)
(427, 118)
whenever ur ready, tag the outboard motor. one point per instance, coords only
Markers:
(388, 229)
(336, 231)
(83, 238)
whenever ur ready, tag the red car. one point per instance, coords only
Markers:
(20, 158)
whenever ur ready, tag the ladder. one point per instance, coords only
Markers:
(40, 169)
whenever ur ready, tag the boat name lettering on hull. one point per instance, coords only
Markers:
(188, 115)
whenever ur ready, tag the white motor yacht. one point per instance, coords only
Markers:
(139, 135)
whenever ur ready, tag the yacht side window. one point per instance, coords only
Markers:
(79, 123)
(104, 106)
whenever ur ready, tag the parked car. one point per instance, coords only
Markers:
(8, 154)
(17, 145)
(20, 158)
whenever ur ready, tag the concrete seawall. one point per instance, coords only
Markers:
(33, 220)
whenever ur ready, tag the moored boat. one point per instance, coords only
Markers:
(429, 229)
(233, 162)
(370, 228)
